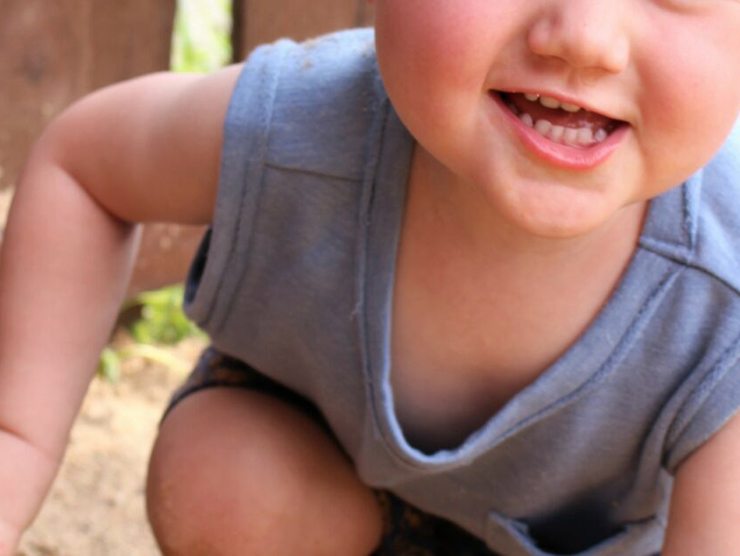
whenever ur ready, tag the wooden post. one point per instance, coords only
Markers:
(260, 21)
(54, 51)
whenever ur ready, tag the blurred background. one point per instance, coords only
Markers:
(52, 53)
(55, 51)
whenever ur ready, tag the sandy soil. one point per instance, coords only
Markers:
(97, 504)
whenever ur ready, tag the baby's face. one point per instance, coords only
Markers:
(562, 112)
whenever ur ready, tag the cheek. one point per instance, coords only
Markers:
(428, 41)
(690, 94)
(435, 57)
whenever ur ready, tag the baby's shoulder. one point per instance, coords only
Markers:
(717, 244)
(697, 224)
(326, 99)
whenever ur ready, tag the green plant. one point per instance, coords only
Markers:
(161, 323)
(162, 319)
(109, 367)
(201, 40)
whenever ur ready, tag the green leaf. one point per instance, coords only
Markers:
(162, 319)
(109, 367)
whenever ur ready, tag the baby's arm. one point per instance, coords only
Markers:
(146, 150)
(704, 517)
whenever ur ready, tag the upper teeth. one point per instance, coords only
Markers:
(549, 102)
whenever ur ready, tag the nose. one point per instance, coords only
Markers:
(583, 33)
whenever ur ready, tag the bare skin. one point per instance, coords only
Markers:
(238, 472)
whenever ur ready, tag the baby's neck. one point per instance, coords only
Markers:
(479, 314)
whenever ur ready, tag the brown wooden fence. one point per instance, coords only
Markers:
(55, 51)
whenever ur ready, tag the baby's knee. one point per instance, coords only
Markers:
(238, 473)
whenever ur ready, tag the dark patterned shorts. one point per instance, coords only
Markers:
(408, 531)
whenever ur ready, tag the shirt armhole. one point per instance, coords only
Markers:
(707, 408)
(216, 271)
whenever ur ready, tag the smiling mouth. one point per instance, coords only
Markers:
(562, 123)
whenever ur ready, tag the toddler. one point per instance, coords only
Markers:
(478, 268)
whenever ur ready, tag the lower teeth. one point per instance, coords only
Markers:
(581, 137)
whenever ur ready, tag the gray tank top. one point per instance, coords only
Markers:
(295, 277)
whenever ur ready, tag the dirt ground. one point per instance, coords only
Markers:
(96, 507)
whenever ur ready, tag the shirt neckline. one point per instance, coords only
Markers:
(581, 367)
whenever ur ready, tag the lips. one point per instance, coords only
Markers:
(563, 134)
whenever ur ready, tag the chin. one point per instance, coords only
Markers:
(556, 211)
(556, 228)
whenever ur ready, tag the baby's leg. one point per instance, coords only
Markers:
(237, 471)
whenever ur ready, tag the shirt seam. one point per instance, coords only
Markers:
(256, 169)
(685, 262)
(317, 173)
